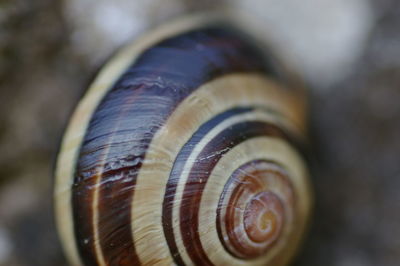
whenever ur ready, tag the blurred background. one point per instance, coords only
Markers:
(348, 51)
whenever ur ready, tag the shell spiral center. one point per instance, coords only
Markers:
(254, 209)
(264, 217)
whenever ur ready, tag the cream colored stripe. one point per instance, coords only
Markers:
(216, 96)
(75, 132)
(192, 160)
(257, 148)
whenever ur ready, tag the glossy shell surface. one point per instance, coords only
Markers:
(186, 149)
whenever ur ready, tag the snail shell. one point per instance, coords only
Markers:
(187, 149)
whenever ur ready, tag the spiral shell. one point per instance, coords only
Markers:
(185, 150)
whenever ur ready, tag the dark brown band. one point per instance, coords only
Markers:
(123, 125)
(197, 179)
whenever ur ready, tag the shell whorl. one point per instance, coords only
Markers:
(192, 155)
(251, 213)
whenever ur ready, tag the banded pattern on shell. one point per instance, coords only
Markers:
(185, 150)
